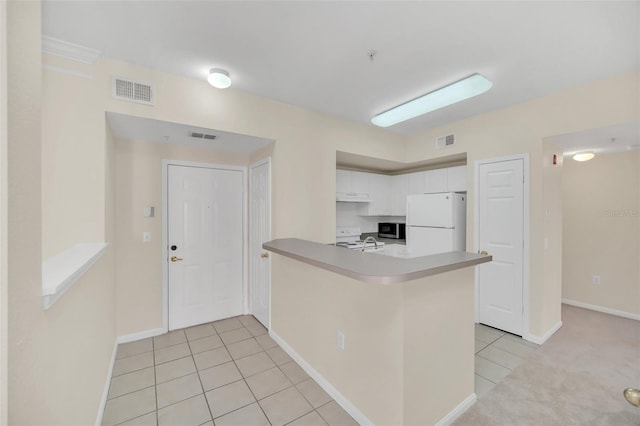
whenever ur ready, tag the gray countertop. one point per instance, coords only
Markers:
(371, 267)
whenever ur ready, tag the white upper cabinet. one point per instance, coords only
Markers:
(457, 179)
(415, 183)
(384, 195)
(399, 189)
(435, 181)
(360, 182)
(380, 193)
(352, 186)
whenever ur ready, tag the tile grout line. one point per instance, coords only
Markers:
(245, 379)
(204, 394)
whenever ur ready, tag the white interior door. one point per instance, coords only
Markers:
(260, 232)
(501, 234)
(205, 232)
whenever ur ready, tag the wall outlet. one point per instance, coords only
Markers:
(340, 340)
(595, 280)
(146, 237)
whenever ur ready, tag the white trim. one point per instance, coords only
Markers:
(324, 383)
(458, 411)
(133, 337)
(251, 167)
(4, 280)
(165, 224)
(67, 71)
(541, 340)
(105, 392)
(68, 50)
(526, 234)
(60, 272)
(602, 309)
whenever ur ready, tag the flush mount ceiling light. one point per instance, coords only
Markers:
(219, 78)
(455, 92)
(584, 156)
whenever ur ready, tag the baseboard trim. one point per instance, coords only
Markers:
(540, 340)
(324, 383)
(602, 309)
(107, 383)
(140, 335)
(458, 411)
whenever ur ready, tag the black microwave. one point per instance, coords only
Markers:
(391, 230)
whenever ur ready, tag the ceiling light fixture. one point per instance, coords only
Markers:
(584, 156)
(455, 92)
(219, 78)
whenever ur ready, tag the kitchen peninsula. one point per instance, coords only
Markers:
(407, 324)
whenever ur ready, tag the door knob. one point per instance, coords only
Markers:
(484, 253)
(175, 258)
(264, 255)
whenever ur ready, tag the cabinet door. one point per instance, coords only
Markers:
(399, 188)
(379, 192)
(343, 181)
(415, 183)
(360, 182)
(457, 179)
(435, 181)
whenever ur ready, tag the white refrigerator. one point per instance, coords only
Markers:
(436, 223)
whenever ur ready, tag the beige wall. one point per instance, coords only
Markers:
(521, 129)
(72, 146)
(139, 265)
(58, 359)
(408, 356)
(601, 231)
(552, 230)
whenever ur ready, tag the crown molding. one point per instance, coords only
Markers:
(68, 50)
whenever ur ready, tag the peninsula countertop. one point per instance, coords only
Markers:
(371, 267)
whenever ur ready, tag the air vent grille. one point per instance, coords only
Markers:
(133, 91)
(445, 141)
(199, 135)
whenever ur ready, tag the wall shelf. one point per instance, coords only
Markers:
(61, 271)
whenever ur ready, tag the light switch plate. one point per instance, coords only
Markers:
(146, 237)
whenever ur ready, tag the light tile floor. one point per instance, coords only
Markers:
(229, 372)
(497, 353)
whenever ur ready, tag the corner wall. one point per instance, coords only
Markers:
(601, 231)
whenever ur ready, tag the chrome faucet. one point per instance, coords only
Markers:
(368, 240)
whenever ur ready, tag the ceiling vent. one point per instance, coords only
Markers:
(133, 91)
(445, 141)
(202, 136)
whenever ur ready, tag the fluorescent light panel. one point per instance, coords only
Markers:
(455, 92)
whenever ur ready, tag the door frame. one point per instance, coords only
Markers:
(165, 225)
(525, 233)
(269, 177)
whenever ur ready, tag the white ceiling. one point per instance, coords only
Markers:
(315, 54)
(130, 128)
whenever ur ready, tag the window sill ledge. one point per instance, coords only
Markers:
(61, 271)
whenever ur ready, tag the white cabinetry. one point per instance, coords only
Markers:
(457, 179)
(352, 186)
(380, 196)
(435, 181)
(399, 188)
(415, 183)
